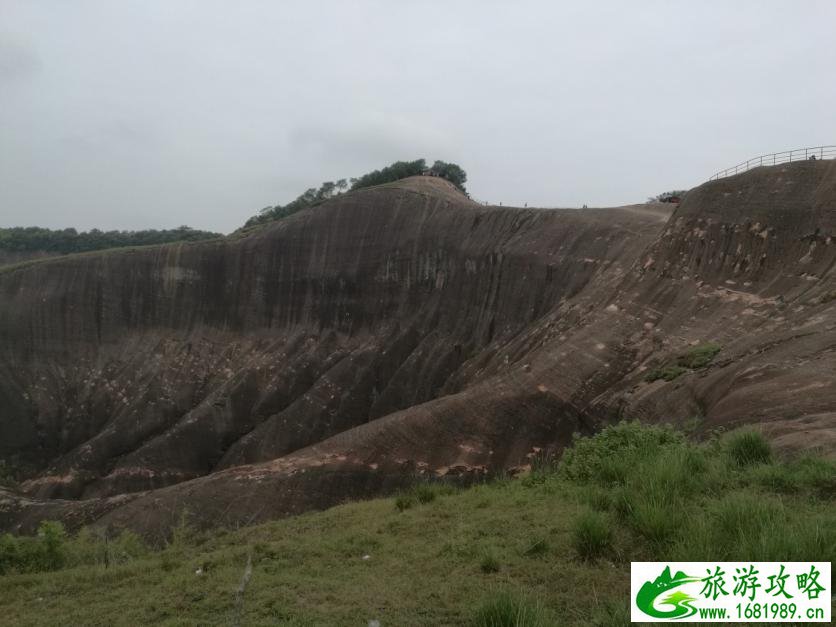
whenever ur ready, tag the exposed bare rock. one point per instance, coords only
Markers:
(405, 330)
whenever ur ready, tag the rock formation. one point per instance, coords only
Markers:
(404, 331)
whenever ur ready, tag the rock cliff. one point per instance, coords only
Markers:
(405, 331)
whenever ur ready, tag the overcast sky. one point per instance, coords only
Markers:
(152, 114)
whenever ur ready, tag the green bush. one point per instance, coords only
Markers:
(744, 526)
(667, 373)
(65, 241)
(489, 563)
(404, 502)
(52, 549)
(52, 538)
(329, 189)
(96, 548)
(506, 610)
(808, 474)
(424, 493)
(608, 456)
(693, 359)
(699, 356)
(592, 535)
(654, 519)
(543, 466)
(748, 447)
(45, 551)
(688, 502)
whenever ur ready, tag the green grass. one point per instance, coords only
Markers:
(699, 356)
(555, 551)
(666, 373)
(694, 358)
(421, 494)
(508, 610)
(489, 564)
(592, 535)
(748, 448)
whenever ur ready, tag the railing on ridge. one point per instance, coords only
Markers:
(799, 154)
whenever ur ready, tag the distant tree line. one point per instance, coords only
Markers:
(395, 172)
(65, 241)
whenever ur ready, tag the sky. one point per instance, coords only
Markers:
(129, 114)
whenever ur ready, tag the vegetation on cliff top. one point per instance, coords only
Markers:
(553, 547)
(670, 196)
(391, 173)
(34, 239)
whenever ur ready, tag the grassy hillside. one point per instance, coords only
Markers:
(551, 548)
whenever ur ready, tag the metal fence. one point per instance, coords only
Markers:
(799, 154)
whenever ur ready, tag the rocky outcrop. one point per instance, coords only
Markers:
(404, 330)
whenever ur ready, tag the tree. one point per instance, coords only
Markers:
(64, 241)
(451, 172)
(329, 189)
(668, 196)
(395, 172)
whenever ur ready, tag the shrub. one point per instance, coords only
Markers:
(52, 538)
(592, 535)
(606, 457)
(9, 553)
(655, 519)
(489, 563)
(543, 466)
(424, 493)
(404, 502)
(699, 356)
(46, 551)
(184, 534)
(748, 447)
(506, 610)
(693, 359)
(668, 373)
(95, 547)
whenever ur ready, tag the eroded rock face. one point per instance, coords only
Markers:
(405, 330)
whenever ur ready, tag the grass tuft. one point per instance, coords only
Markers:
(592, 535)
(748, 447)
(507, 610)
(489, 563)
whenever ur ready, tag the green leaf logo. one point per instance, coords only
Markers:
(678, 600)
